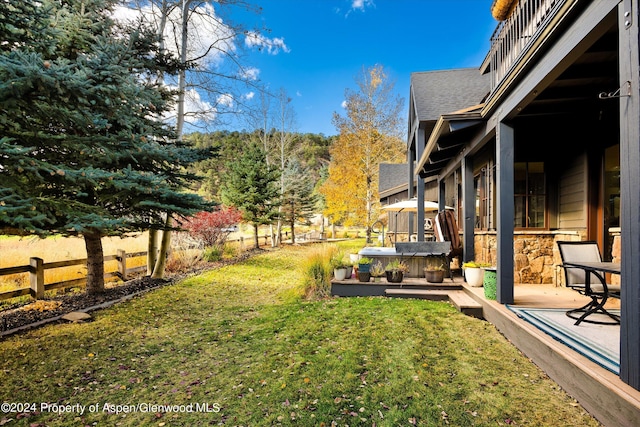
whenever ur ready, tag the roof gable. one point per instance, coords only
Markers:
(436, 93)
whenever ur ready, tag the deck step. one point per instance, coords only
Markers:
(430, 294)
(459, 298)
(466, 304)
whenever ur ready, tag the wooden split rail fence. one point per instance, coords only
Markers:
(37, 267)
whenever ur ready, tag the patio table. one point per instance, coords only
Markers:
(599, 269)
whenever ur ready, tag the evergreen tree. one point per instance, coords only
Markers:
(251, 185)
(298, 197)
(84, 148)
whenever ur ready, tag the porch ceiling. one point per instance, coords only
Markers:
(448, 139)
(580, 91)
(578, 88)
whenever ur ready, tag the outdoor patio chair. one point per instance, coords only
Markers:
(446, 230)
(598, 290)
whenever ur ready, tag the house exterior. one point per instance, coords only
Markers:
(540, 144)
(393, 187)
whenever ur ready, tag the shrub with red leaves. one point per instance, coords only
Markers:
(213, 228)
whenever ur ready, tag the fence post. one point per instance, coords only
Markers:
(122, 263)
(36, 278)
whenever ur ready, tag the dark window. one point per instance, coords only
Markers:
(482, 185)
(530, 195)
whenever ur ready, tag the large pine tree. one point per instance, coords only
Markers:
(251, 186)
(298, 197)
(83, 148)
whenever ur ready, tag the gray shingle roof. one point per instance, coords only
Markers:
(440, 92)
(393, 175)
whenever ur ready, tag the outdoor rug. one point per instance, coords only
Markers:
(599, 343)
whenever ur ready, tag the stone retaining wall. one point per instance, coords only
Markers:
(536, 259)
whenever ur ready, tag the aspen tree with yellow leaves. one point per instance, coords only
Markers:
(371, 132)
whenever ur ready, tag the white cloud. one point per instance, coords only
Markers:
(195, 108)
(343, 104)
(125, 14)
(208, 37)
(194, 104)
(272, 46)
(250, 73)
(298, 93)
(225, 99)
(360, 5)
(249, 95)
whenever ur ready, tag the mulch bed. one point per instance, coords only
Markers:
(23, 316)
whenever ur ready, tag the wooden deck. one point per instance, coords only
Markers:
(598, 390)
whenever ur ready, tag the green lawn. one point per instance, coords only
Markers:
(238, 346)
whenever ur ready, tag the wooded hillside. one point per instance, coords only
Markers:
(312, 151)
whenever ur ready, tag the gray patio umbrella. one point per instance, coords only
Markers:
(411, 205)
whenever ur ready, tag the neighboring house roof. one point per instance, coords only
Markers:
(393, 176)
(436, 93)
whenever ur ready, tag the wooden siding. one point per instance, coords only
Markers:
(572, 195)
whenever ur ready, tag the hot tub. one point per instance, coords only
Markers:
(417, 261)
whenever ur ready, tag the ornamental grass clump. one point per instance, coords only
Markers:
(377, 270)
(318, 271)
(397, 265)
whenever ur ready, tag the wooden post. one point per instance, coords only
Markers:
(36, 276)
(122, 263)
(629, 57)
(505, 149)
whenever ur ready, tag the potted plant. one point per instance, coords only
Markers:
(377, 271)
(395, 270)
(474, 273)
(434, 273)
(364, 266)
(340, 268)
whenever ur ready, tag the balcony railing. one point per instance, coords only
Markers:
(515, 35)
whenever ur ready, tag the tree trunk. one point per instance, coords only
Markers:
(369, 208)
(274, 239)
(278, 234)
(161, 263)
(293, 223)
(182, 74)
(152, 250)
(95, 262)
(293, 233)
(255, 236)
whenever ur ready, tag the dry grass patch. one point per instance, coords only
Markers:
(17, 251)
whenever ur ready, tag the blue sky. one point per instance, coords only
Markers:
(328, 42)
